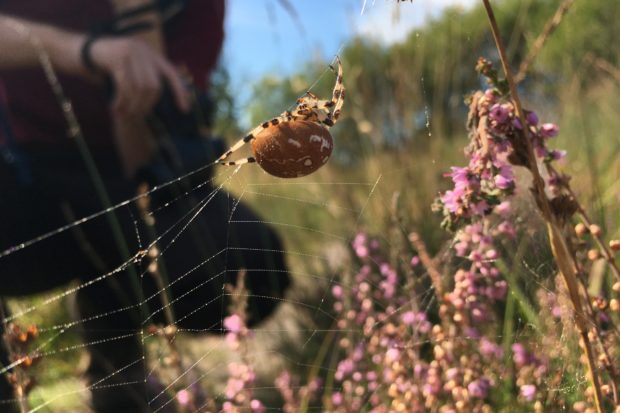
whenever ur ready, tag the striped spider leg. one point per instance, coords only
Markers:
(309, 108)
(285, 117)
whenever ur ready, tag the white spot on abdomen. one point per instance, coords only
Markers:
(324, 142)
(308, 162)
(294, 142)
(325, 159)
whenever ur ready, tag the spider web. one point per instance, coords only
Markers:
(50, 335)
(315, 254)
(317, 223)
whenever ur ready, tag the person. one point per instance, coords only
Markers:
(125, 65)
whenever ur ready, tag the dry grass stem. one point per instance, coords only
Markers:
(427, 262)
(542, 38)
(559, 245)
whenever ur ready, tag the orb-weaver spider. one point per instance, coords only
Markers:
(297, 142)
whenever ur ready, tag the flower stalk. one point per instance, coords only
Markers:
(555, 224)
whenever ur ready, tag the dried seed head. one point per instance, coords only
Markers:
(594, 254)
(170, 331)
(580, 407)
(580, 229)
(606, 389)
(614, 305)
(603, 359)
(599, 303)
(614, 244)
(616, 287)
(595, 230)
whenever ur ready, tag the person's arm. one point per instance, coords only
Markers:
(135, 64)
(17, 51)
(135, 67)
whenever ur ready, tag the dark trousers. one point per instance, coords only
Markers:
(198, 258)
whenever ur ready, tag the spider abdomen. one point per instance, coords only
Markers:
(293, 149)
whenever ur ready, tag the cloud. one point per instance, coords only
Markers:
(390, 21)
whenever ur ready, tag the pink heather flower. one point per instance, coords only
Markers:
(532, 118)
(233, 323)
(491, 254)
(337, 291)
(499, 113)
(472, 332)
(505, 178)
(503, 208)
(516, 122)
(499, 290)
(490, 349)
(183, 397)
(452, 373)
(489, 95)
(520, 355)
(415, 261)
(452, 200)
(361, 251)
(549, 130)
(556, 154)
(392, 355)
(337, 398)
(257, 406)
(461, 248)
(528, 391)
(360, 239)
(233, 387)
(429, 389)
(384, 268)
(479, 388)
(478, 315)
(388, 289)
(232, 340)
(408, 318)
(541, 151)
(475, 256)
(345, 367)
(480, 208)
(507, 228)
(460, 177)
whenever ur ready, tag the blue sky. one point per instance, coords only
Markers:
(262, 38)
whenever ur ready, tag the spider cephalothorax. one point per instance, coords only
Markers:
(297, 142)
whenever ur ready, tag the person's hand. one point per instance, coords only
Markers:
(139, 73)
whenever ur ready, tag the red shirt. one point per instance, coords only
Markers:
(193, 39)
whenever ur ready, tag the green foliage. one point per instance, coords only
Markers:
(590, 31)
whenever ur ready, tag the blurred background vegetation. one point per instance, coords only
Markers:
(404, 115)
(403, 126)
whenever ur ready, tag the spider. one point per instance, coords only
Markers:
(297, 142)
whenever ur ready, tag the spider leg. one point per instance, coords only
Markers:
(328, 111)
(307, 94)
(339, 91)
(239, 162)
(284, 117)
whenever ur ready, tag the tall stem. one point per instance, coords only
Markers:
(559, 246)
